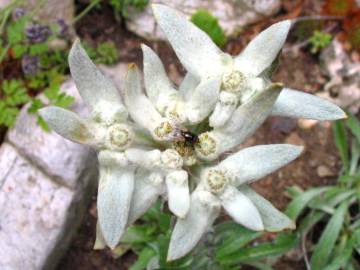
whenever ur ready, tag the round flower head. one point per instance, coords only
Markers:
(169, 142)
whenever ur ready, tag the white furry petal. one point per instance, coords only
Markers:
(292, 103)
(189, 230)
(263, 49)
(116, 186)
(195, 49)
(241, 209)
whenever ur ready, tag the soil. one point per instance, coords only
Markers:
(298, 69)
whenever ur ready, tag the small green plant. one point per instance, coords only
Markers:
(13, 94)
(319, 40)
(104, 53)
(29, 66)
(123, 8)
(331, 213)
(209, 24)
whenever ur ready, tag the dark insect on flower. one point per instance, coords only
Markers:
(63, 28)
(37, 33)
(189, 138)
(30, 64)
(18, 13)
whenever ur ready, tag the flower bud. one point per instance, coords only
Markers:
(206, 145)
(171, 159)
(119, 136)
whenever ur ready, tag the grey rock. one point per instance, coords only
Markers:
(343, 86)
(232, 14)
(61, 159)
(38, 217)
(54, 10)
(46, 183)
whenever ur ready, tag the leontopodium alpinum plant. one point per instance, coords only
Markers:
(180, 144)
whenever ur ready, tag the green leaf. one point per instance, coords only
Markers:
(341, 142)
(107, 53)
(282, 244)
(354, 125)
(14, 95)
(226, 228)
(42, 123)
(11, 86)
(310, 220)
(294, 191)
(63, 100)
(38, 49)
(319, 40)
(341, 259)
(210, 25)
(163, 241)
(298, 204)
(17, 98)
(52, 91)
(355, 157)
(15, 31)
(356, 236)
(122, 8)
(331, 198)
(164, 220)
(144, 257)
(36, 105)
(138, 234)
(8, 116)
(19, 50)
(235, 241)
(325, 246)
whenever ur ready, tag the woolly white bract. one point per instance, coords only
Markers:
(159, 141)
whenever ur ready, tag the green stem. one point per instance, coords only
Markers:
(6, 12)
(4, 52)
(4, 20)
(85, 11)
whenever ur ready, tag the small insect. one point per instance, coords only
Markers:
(189, 139)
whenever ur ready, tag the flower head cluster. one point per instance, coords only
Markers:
(18, 13)
(30, 65)
(170, 142)
(37, 33)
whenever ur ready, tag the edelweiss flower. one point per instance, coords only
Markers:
(240, 77)
(166, 167)
(225, 185)
(172, 139)
(108, 131)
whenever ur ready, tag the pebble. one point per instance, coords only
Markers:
(323, 171)
(294, 138)
(307, 124)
